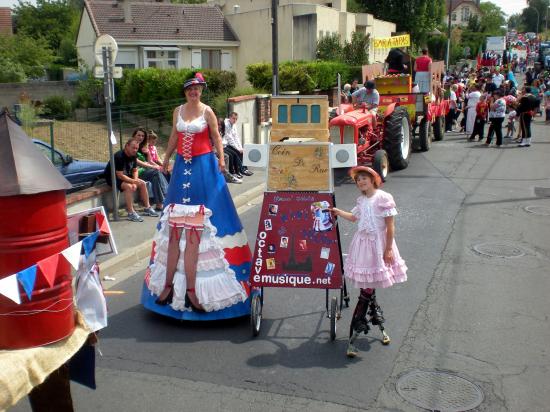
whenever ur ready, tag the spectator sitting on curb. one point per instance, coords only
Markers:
(154, 157)
(151, 172)
(232, 161)
(127, 180)
(234, 144)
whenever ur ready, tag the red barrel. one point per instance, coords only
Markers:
(33, 228)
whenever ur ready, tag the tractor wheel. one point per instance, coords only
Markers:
(424, 135)
(439, 128)
(397, 138)
(380, 163)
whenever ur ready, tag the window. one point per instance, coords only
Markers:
(161, 58)
(453, 17)
(211, 59)
(465, 14)
(282, 116)
(46, 151)
(298, 113)
(315, 113)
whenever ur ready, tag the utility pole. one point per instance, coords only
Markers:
(450, 2)
(275, 46)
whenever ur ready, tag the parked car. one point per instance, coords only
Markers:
(81, 173)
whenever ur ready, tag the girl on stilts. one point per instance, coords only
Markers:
(373, 260)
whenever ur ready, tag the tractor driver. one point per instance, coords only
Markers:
(368, 95)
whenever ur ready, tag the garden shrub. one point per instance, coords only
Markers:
(57, 107)
(12, 72)
(322, 73)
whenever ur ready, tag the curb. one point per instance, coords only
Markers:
(134, 254)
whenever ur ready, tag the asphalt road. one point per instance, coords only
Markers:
(483, 318)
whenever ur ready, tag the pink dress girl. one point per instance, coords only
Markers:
(373, 259)
(364, 266)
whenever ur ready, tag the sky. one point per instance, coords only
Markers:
(509, 6)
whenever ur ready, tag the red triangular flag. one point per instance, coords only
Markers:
(102, 225)
(48, 268)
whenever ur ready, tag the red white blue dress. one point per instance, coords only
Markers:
(223, 268)
(364, 266)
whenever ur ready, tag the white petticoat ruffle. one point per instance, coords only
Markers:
(216, 286)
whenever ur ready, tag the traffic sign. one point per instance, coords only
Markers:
(98, 72)
(105, 41)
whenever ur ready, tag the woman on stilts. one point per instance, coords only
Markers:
(373, 260)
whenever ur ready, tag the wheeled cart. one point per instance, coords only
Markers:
(298, 246)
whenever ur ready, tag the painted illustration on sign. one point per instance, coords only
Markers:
(301, 249)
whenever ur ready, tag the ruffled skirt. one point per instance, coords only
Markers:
(223, 268)
(364, 266)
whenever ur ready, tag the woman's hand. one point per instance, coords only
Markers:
(388, 257)
(335, 211)
(221, 164)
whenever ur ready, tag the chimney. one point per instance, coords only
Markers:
(126, 6)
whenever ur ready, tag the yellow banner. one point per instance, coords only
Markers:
(390, 42)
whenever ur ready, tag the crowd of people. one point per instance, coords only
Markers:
(493, 97)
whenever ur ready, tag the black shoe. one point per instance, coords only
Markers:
(189, 304)
(168, 299)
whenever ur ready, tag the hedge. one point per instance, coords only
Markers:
(302, 76)
(157, 85)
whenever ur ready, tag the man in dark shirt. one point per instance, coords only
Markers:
(127, 181)
(395, 60)
(525, 111)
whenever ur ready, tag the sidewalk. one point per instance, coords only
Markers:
(133, 239)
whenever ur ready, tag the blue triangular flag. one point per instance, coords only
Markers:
(27, 277)
(89, 243)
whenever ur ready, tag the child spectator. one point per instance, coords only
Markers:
(482, 110)
(510, 127)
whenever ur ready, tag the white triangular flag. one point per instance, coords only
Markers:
(72, 254)
(10, 288)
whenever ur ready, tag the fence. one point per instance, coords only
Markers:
(86, 136)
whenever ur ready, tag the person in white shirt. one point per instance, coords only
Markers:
(498, 78)
(473, 99)
(233, 140)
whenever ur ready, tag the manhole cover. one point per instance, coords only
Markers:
(499, 250)
(538, 210)
(439, 391)
(542, 191)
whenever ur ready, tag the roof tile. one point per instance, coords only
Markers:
(160, 21)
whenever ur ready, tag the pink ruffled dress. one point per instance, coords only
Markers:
(364, 266)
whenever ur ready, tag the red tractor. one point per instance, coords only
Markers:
(382, 140)
(405, 120)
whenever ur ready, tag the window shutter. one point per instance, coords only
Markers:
(196, 58)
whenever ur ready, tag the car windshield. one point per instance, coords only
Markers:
(57, 159)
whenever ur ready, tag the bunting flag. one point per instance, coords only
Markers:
(89, 243)
(102, 224)
(27, 278)
(48, 268)
(10, 289)
(9, 286)
(72, 254)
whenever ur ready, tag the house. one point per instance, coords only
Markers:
(6, 24)
(158, 34)
(301, 23)
(462, 11)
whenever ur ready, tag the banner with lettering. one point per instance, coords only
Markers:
(391, 42)
(297, 245)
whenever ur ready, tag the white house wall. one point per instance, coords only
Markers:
(85, 41)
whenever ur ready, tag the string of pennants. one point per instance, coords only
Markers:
(9, 286)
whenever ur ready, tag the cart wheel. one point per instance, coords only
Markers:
(333, 309)
(255, 315)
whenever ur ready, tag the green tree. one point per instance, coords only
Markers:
(31, 54)
(515, 22)
(329, 48)
(416, 17)
(492, 18)
(53, 20)
(12, 72)
(356, 52)
(530, 19)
